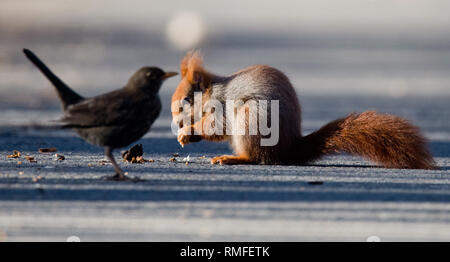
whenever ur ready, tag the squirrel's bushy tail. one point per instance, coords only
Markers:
(388, 140)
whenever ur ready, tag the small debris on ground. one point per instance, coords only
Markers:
(173, 159)
(15, 154)
(138, 160)
(176, 155)
(47, 150)
(36, 179)
(133, 153)
(30, 159)
(103, 162)
(19, 162)
(187, 159)
(59, 157)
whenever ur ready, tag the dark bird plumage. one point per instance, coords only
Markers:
(115, 119)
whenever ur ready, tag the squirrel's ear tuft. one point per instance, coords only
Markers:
(196, 60)
(192, 61)
(184, 64)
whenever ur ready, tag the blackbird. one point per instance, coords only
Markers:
(115, 119)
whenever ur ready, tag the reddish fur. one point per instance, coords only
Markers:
(199, 128)
(232, 160)
(192, 65)
(384, 139)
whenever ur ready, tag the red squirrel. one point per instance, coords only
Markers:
(388, 140)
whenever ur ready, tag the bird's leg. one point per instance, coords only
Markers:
(119, 176)
(119, 173)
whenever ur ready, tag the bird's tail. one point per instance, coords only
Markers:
(385, 139)
(65, 93)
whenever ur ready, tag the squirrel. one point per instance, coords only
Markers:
(388, 140)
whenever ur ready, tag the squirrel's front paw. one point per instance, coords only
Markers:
(184, 136)
(183, 139)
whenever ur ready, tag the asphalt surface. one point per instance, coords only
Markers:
(340, 198)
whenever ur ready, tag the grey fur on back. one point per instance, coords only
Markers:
(261, 82)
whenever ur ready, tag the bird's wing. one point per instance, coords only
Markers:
(153, 108)
(115, 108)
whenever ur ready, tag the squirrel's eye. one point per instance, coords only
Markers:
(187, 99)
(148, 74)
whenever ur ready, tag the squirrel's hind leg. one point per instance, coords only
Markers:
(242, 150)
(232, 160)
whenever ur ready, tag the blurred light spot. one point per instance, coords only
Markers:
(373, 239)
(397, 88)
(185, 30)
(73, 239)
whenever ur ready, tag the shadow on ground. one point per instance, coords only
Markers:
(30, 142)
(202, 182)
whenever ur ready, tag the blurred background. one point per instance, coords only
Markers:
(341, 56)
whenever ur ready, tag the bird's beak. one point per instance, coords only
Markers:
(169, 74)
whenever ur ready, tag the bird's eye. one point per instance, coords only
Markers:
(148, 74)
